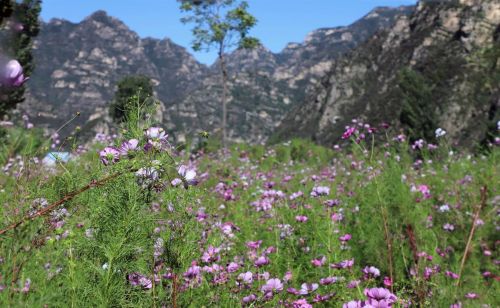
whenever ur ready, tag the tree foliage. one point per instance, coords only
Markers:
(132, 90)
(223, 25)
(20, 26)
(418, 111)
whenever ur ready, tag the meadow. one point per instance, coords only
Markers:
(137, 221)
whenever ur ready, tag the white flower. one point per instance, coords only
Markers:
(440, 132)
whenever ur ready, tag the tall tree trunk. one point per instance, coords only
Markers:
(223, 71)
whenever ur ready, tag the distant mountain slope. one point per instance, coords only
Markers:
(454, 47)
(265, 86)
(78, 66)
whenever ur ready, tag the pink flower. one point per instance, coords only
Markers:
(318, 262)
(261, 261)
(451, 274)
(387, 281)
(109, 155)
(380, 294)
(250, 298)
(471, 295)
(272, 285)
(345, 238)
(137, 279)
(301, 303)
(371, 271)
(301, 218)
(328, 280)
(352, 304)
(348, 132)
(320, 191)
(307, 288)
(12, 74)
(128, 146)
(247, 277)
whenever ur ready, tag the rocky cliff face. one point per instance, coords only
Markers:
(78, 66)
(453, 45)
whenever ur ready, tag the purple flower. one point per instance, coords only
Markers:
(318, 262)
(450, 274)
(261, 261)
(345, 238)
(137, 279)
(352, 304)
(27, 286)
(247, 277)
(156, 133)
(188, 175)
(448, 227)
(301, 218)
(193, 272)
(128, 146)
(380, 294)
(328, 280)
(254, 245)
(12, 74)
(301, 303)
(348, 132)
(471, 295)
(296, 195)
(343, 264)
(109, 155)
(232, 267)
(307, 288)
(250, 298)
(371, 271)
(211, 254)
(272, 285)
(320, 191)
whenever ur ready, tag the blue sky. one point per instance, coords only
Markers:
(279, 21)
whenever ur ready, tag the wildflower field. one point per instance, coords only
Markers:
(137, 221)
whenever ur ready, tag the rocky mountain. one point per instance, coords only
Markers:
(78, 66)
(446, 56)
(265, 86)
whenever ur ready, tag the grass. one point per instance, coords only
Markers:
(127, 243)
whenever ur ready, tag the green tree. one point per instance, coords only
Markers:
(132, 90)
(418, 111)
(23, 27)
(223, 25)
(5, 10)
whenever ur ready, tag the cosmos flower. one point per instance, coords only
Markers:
(352, 304)
(320, 191)
(301, 218)
(157, 133)
(261, 261)
(318, 262)
(187, 175)
(137, 279)
(371, 271)
(307, 288)
(247, 277)
(348, 132)
(301, 303)
(272, 285)
(109, 155)
(128, 147)
(448, 227)
(250, 298)
(380, 294)
(146, 177)
(440, 132)
(12, 74)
